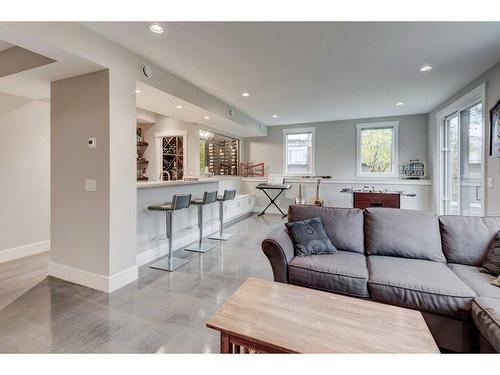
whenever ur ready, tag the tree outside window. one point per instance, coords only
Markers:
(377, 149)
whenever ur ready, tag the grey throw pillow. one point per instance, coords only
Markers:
(492, 262)
(309, 237)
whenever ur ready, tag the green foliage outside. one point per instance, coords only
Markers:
(376, 150)
(202, 155)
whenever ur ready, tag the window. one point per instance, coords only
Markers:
(298, 151)
(377, 149)
(219, 154)
(461, 166)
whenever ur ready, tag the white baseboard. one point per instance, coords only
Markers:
(123, 278)
(92, 280)
(24, 251)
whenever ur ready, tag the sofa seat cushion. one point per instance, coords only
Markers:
(344, 272)
(419, 284)
(403, 233)
(478, 280)
(486, 315)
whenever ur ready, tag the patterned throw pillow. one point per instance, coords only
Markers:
(492, 262)
(309, 237)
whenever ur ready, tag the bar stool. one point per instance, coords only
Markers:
(228, 195)
(208, 197)
(179, 201)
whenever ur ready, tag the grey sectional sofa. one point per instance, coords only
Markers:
(407, 258)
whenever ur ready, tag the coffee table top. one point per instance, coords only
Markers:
(302, 320)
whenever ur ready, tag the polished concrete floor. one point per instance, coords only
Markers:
(20, 275)
(161, 312)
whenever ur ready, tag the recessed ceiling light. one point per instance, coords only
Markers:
(399, 104)
(178, 106)
(206, 117)
(154, 28)
(425, 68)
(245, 94)
(137, 91)
(274, 116)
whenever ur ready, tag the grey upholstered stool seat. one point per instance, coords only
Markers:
(179, 202)
(228, 195)
(208, 198)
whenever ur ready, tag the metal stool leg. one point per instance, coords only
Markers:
(200, 247)
(170, 263)
(221, 236)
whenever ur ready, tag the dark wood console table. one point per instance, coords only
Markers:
(364, 200)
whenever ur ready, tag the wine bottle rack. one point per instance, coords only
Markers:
(222, 155)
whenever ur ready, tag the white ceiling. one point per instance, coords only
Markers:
(35, 83)
(307, 72)
(157, 101)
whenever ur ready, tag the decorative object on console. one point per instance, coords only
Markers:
(495, 130)
(412, 170)
(492, 262)
(309, 237)
(316, 201)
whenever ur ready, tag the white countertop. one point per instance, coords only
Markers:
(151, 184)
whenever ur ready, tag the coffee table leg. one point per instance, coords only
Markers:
(225, 346)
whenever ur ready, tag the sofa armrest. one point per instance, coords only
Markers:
(278, 248)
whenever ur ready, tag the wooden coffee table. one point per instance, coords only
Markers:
(269, 317)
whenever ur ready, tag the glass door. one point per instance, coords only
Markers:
(463, 158)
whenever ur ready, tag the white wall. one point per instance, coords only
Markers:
(492, 170)
(336, 145)
(24, 176)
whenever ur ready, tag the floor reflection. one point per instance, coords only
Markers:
(162, 312)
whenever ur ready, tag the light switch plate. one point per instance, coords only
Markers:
(90, 185)
(91, 143)
(490, 183)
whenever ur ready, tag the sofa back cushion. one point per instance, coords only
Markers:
(466, 239)
(403, 233)
(344, 226)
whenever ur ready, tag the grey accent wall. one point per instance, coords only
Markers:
(24, 172)
(492, 168)
(80, 220)
(336, 144)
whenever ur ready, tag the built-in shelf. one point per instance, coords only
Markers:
(142, 144)
(144, 161)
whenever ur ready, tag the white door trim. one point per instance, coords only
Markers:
(476, 94)
(158, 148)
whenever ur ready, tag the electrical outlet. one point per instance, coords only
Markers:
(490, 183)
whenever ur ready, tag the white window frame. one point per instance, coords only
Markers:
(395, 155)
(159, 149)
(476, 95)
(288, 131)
